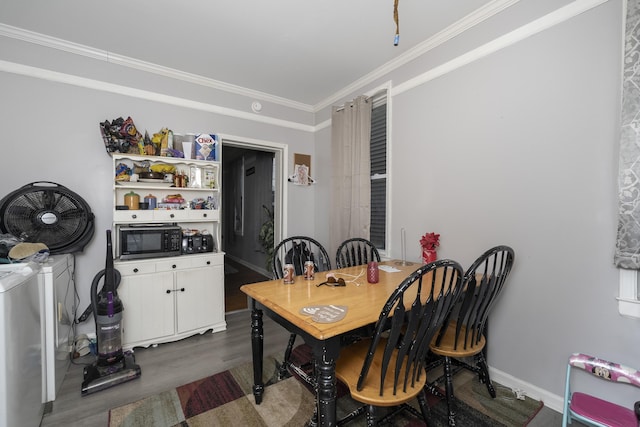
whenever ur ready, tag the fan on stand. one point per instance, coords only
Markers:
(49, 213)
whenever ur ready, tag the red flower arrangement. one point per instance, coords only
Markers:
(430, 241)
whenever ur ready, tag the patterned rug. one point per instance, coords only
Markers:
(226, 399)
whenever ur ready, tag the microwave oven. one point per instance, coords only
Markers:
(138, 241)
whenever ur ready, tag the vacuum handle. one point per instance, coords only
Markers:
(85, 314)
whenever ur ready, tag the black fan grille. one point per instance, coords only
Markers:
(51, 216)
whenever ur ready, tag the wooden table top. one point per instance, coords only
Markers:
(364, 302)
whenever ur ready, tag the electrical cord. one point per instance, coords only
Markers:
(354, 277)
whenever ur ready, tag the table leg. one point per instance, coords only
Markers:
(325, 354)
(257, 338)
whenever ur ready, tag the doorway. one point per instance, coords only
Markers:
(252, 201)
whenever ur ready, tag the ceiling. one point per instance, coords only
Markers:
(300, 50)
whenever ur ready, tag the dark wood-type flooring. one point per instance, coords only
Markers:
(235, 276)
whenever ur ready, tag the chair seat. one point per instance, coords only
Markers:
(601, 411)
(448, 345)
(348, 367)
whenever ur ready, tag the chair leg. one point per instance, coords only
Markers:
(313, 422)
(426, 412)
(372, 416)
(283, 373)
(484, 374)
(350, 416)
(451, 403)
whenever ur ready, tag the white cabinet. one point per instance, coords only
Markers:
(199, 208)
(166, 299)
(170, 299)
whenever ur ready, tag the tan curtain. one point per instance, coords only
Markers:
(351, 172)
(628, 242)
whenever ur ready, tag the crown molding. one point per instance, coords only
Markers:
(556, 17)
(476, 17)
(106, 56)
(54, 76)
(532, 28)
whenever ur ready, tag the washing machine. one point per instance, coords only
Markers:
(57, 279)
(21, 339)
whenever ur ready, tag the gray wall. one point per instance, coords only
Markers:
(51, 133)
(518, 147)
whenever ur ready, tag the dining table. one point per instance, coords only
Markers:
(293, 305)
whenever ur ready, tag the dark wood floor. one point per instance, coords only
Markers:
(235, 276)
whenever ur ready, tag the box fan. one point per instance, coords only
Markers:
(49, 213)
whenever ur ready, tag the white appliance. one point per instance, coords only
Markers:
(57, 278)
(21, 338)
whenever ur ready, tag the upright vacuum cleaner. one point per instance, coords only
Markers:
(113, 366)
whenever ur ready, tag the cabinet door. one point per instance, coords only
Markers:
(200, 297)
(149, 309)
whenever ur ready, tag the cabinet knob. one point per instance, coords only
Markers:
(134, 216)
(208, 262)
(135, 270)
(181, 289)
(172, 215)
(168, 291)
(204, 215)
(173, 266)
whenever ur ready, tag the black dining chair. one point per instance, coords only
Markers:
(297, 250)
(356, 251)
(388, 369)
(463, 334)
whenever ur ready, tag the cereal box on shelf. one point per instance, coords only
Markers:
(206, 146)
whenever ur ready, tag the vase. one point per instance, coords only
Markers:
(429, 255)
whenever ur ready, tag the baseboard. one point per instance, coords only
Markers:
(551, 401)
(247, 264)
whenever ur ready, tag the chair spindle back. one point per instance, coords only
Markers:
(414, 312)
(483, 282)
(356, 251)
(297, 250)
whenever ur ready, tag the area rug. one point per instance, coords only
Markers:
(226, 399)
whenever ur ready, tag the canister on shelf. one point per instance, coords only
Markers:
(132, 200)
(151, 200)
(180, 180)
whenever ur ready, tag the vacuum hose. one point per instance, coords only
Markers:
(92, 308)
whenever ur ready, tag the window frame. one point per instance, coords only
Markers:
(628, 301)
